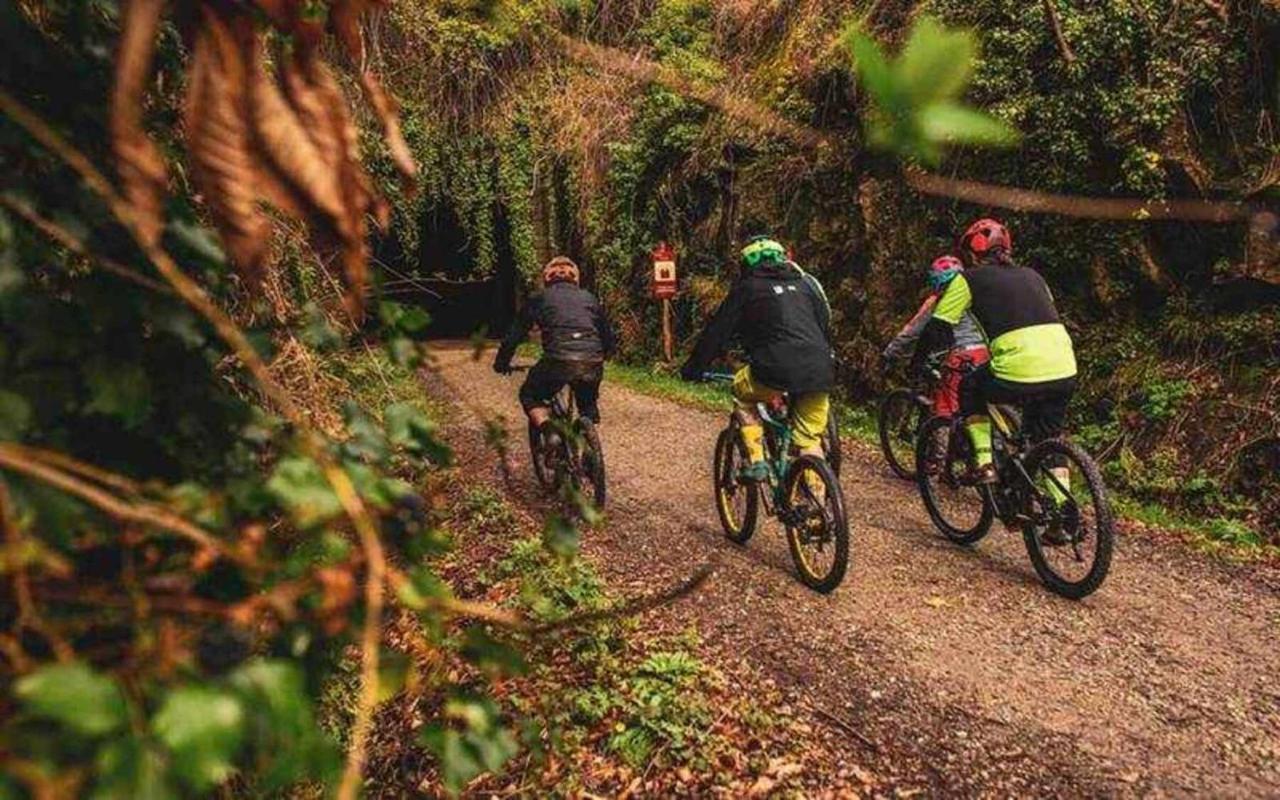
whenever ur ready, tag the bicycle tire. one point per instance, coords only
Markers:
(1103, 521)
(839, 525)
(831, 442)
(959, 533)
(888, 423)
(546, 479)
(595, 465)
(723, 476)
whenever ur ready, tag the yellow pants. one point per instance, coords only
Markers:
(808, 411)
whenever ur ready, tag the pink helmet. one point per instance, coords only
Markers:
(942, 270)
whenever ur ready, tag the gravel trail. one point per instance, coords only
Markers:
(952, 669)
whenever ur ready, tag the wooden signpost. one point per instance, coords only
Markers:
(663, 288)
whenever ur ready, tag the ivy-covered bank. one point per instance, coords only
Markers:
(533, 148)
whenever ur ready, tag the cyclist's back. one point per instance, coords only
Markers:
(1028, 342)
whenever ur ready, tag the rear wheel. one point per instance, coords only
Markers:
(541, 469)
(737, 503)
(961, 511)
(1076, 564)
(899, 420)
(817, 527)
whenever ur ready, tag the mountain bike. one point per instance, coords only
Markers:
(904, 411)
(963, 509)
(576, 461)
(802, 492)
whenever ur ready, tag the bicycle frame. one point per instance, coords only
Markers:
(781, 457)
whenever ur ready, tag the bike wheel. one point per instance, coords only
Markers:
(737, 503)
(831, 442)
(899, 420)
(1077, 567)
(817, 527)
(961, 511)
(541, 469)
(591, 480)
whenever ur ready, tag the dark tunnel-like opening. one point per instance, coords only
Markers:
(442, 280)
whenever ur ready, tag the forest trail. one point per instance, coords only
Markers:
(954, 666)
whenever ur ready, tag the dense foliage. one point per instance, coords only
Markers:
(1141, 99)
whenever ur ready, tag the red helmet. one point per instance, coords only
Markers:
(984, 236)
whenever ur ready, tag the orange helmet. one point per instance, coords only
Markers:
(560, 268)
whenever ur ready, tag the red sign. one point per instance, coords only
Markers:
(663, 285)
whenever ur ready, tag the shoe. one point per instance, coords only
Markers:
(755, 472)
(985, 474)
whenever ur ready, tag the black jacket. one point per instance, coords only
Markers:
(781, 316)
(573, 326)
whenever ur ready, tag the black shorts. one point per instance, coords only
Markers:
(1043, 405)
(549, 376)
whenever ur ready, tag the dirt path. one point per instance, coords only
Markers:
(957, 670)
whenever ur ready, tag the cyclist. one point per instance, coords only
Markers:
(969, 345)
(576, 340)
(781, 315)
(1033, 363)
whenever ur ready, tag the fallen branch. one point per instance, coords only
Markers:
(845, 726)
(631, 608)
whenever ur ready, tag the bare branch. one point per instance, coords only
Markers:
(1055, 25)
(64, 237)
(1115, 208)
(15, 460)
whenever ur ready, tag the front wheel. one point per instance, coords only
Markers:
(898, 420)
(737, 502)
(1071, 539)
(831, 442)
(961, 510)
(817, 526)
(589, 478)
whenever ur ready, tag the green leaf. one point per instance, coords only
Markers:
(15, 415)
(423, 585)
(873, 69)
(403, 352)
(127, 769)
(936, 63)
(300, 486)
(75, 696)
(366, 440)
(408, 427)
(490, 654)
(202, 727)
(402, 318)
(119, 390)
(198, 504)
(282, 725)
(484, 745)
(380, 490)
(393, 673)
(955, 124)
(316, 332)
(560, 536)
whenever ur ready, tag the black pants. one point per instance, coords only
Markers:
(1043, 405)
(549, 376)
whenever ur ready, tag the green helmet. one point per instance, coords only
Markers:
(762, 249)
